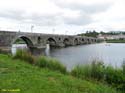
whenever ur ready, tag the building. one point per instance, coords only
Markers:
(119, 36)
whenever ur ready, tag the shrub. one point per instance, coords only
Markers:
(123, 66)
(82, 71)
(97, 71)
(115, 78)
(24, 55)
(94, 70)
(50, 64)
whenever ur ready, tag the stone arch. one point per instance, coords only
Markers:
(76, 42)
(93, 40)
(51, 41)
(38, 39)
(83, 39)
(25, 39)
(88, 40)
(66, 42)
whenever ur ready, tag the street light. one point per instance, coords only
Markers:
(32, 28)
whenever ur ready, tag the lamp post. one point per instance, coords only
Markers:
(32, 28)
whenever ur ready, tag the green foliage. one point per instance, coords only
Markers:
(17, 74)
(82, 71)
(41, 61)
(115, 78)
(90, 33)
(50, 63)
(115, 41)
(97, 68)
(123, 66)
(24, 55)
(94, 70)
(4, 51)
(98, 71)
(19, 41)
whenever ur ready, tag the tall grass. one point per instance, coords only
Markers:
(94, 70)
(43, 62)
(98, 71)
(50, 63)
(115, 77)
(82, 71)
(123, 66)
(24, 55)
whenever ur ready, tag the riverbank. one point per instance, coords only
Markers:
(18, 75)
(115, 41)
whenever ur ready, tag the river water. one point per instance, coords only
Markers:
(110, 53)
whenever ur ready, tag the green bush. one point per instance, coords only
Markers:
(123, 66)
(50, 63)
(115, 77)
(98, 71)
(24, 55)
(82, 71)
(94, 70)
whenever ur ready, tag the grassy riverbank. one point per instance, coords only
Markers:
(115, 41)
(17, 74)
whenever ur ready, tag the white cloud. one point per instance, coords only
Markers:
(73, 16)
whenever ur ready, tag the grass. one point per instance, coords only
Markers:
(51, 64)
(115, 77)
(19, 41)
(99, 72)
(115, 41)
(43, 62)
(19, 74)
(24, 55)
(94, 70)
(89, 71)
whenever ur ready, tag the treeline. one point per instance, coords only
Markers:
(95, 33)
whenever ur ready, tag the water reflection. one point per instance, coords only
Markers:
(47, 50)
(15, 47)
(111, 54)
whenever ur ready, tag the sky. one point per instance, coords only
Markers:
(67, 17)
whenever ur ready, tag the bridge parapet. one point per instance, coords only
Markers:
(39, 40)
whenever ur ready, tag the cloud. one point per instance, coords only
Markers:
(12, 14)
(44, 20)
(82, 19)
(53, 13)
(38, 19)
(84, 11)
(86, 8)
(62, 14)
(32, 18)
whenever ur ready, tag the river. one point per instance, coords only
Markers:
(110, 53)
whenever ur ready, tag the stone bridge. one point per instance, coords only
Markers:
(39, 40)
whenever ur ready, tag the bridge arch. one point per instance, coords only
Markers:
(51, 42)
(66, 42)
(76, 42)
(25, 39)
(39, 39)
